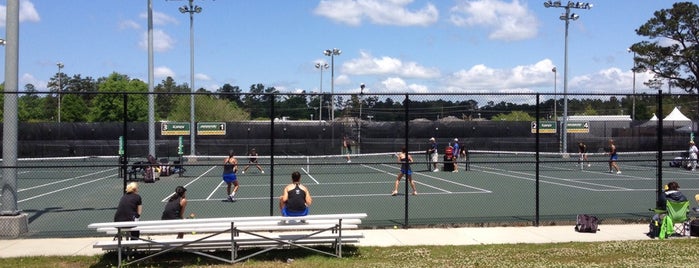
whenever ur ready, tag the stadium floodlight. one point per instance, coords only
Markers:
(567, 17)
(320, 98)
(191, 9)
(332, 53)
(60, 89)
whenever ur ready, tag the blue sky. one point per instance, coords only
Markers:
(392, 46)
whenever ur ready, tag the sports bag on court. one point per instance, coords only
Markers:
(586, 223)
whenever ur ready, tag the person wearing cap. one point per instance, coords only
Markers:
(174, 209)
(130, 207)
(693, 155)
(456, 149)
(434, 156)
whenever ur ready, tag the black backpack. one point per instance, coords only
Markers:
(586, 223)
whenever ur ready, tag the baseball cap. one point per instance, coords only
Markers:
(432, 139)
(456, 139)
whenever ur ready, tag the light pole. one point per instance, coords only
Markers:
(60, 88)
(567, 16)
(633, 88)
(191, 9)
(555, 104)
(320, 98)
(359, 132)
(332, 53)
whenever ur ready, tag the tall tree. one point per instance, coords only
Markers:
(164, 100)
(673, 51)
(108, 107)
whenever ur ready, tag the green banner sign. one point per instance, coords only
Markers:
(211, 128)
(174, 128)
(545, 127)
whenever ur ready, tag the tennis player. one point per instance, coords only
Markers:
(613, 157)
(230, 168)
(252, 159)
(582, 150)
(404, 159)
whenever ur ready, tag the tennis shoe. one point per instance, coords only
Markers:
(263, 172)
(588, 165)
(618, 172)
(394, 193)
(230, 198)
(349, 161)
(243, 172)
(435, 170)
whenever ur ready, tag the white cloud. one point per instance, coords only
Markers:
(27, 78)
(160, 18)
(386, 12)
(483, 77)
(161, 41)
(395, 84)
(505, 21)
(366, 64)
(163, 72)
(27, 12)
(202, 77)
(129, 24)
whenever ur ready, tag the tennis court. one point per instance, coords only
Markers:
(62, 196)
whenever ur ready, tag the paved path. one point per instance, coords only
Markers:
(375, 237)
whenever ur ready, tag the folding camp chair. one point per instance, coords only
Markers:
(676, 214)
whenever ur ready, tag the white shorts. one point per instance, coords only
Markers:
(434, 158)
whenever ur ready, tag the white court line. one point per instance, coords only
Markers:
(63, 189)
(440, 179)
(64, 180)
(310, 176)
(350, 195)
(417, 182)
(185, 186)
(573, 180)
(542, 181)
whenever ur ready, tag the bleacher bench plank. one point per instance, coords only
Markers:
(233, 233)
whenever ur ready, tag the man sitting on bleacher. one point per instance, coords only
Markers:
(295, 198)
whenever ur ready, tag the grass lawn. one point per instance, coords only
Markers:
(676, 252)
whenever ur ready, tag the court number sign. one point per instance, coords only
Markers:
(578, 127)
(211, 128)
(571, 127)
(174, 128)
(544, 127)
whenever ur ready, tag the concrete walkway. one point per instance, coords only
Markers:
(376, 237)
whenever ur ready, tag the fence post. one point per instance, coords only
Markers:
(271, 155)
(659, 158)
(406, 105)
(125, 132)
(538, 148)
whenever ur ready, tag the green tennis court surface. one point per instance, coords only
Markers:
(63, 196)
